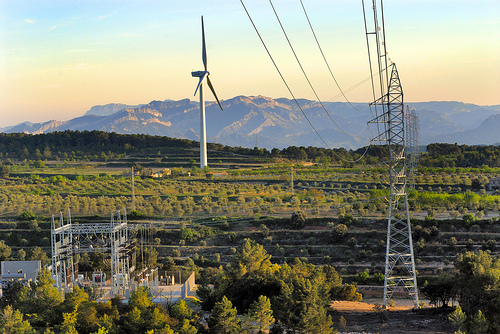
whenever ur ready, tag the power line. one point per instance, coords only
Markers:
(324, 58)
(304, 72)
(281, 75)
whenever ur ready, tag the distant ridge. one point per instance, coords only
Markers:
(261, 121)
(107, 109)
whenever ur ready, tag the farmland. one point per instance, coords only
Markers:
(303, 204)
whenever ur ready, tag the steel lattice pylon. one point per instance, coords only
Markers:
(399, 259)
(70, 239)
(412, 150)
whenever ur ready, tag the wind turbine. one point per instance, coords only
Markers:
(203, 75)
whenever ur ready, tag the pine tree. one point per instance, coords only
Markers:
(69, 323)
(259, 316)
(11, 321)
(223, 318)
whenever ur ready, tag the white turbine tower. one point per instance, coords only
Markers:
(203, 75)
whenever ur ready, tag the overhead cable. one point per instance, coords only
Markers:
(324, 58)
(304, 72)
(281, 75)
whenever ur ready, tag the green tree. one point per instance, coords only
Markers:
(39, 163)
(5, 251)
(298, 219)
(4, 171)
(362, 277)
(478, 323)
(259, 317)
(140, 298)
(303, 288)
(316, 321)
(101, 330)
(468, 219)
(250, 258)
(440, 291)
(339, 232)
(11, 321)
(187, 328)
(223, 318)
(87, 317)
(68, 325)
(484, 295)
(41, 297)
(74, 298)
(27, 216)
(21, 254)
(38, 254)
(457, 318)
(133, 321)
(348, 292)
(181, 311)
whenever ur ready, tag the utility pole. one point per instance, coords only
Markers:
(291, 180)
(133, 190)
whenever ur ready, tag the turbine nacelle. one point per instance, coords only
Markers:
(204, 74)
(199, 74)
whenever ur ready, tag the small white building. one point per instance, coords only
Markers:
(18, 271)
(27, 270)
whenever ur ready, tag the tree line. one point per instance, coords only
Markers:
(23, 146)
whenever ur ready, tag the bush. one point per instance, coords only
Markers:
(298, 219)
(362, 277)
(475, 228)
(27, 216)
(468, 219)
(339, 232)
(379, 277)
(136, 214)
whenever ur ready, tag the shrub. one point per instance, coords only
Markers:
(136, 214)
(27, 216)
(379, 277)
(468, 219)
(475, 228)
(362, 277)
(176, 252)
(298, 219)
(339, 232)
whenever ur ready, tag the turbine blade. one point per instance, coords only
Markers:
(213, 91)
(199, 83)
(203, 45)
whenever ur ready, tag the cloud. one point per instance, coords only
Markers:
(102, 17)
(57, 26)
(30, 21)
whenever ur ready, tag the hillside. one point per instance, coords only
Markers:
(266, 122)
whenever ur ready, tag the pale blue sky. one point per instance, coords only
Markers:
(59, 58)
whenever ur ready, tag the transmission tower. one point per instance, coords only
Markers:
(390, 121)
(69, 239)
(412, 144)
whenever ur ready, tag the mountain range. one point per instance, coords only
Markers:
(250, 121)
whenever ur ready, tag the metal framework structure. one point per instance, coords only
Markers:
(412, 150)
(390, 122)
(70, 239)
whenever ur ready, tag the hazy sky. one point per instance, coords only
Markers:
(58, 58)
